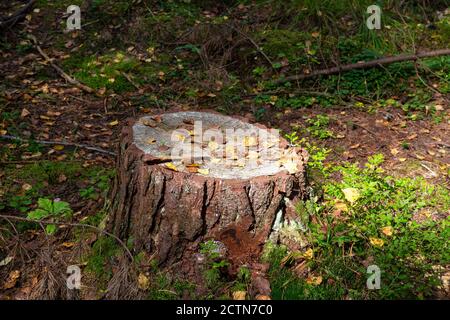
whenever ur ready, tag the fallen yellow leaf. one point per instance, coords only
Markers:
(143, 281)
(212, 145)
(291, 166)
(376, 242)
(394, 151)
(250, 141)
(180, 137)
(309, 254)
(340, 205)
(351, 194)
(388, 231)
(312, 280)
(203, 171)
(114, 123)
(171, 166)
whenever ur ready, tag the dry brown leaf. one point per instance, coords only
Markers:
(26, 186)
(313, 280)
(68, 244)
(25, 113)
(420, 157)
(239, 295)
(12, 279)
(394, 151)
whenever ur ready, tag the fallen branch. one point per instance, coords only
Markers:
(63, 143)
(59, 70)
(20, 14)
(127, 76)
(367, 64)
(72, 224)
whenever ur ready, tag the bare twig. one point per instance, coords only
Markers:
(367, 64)
(72, 224)
(59, 70)
(32, 161)
(364, 128)
(258, 48)
(63, 143)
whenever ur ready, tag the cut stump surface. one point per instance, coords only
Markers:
(186, 177)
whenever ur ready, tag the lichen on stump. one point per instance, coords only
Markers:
(186, 177)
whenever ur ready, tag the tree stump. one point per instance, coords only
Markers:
(186, 177)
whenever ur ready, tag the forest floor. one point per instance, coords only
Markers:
(381, 131)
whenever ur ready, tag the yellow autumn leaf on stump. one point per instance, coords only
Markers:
(291, 166)
(351, 194)
(171, 166)
(203, 171)
(212, 145)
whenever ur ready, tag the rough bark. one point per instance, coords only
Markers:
(168, 213)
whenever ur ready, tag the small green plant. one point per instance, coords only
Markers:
(214, 263)
(259, 71)
(292, 138)
(318, 127)
(100, 259)
(54, 210)
(88, 193)
(243, 278)
(20, 203)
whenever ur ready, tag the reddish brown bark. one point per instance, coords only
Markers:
(168, 213)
